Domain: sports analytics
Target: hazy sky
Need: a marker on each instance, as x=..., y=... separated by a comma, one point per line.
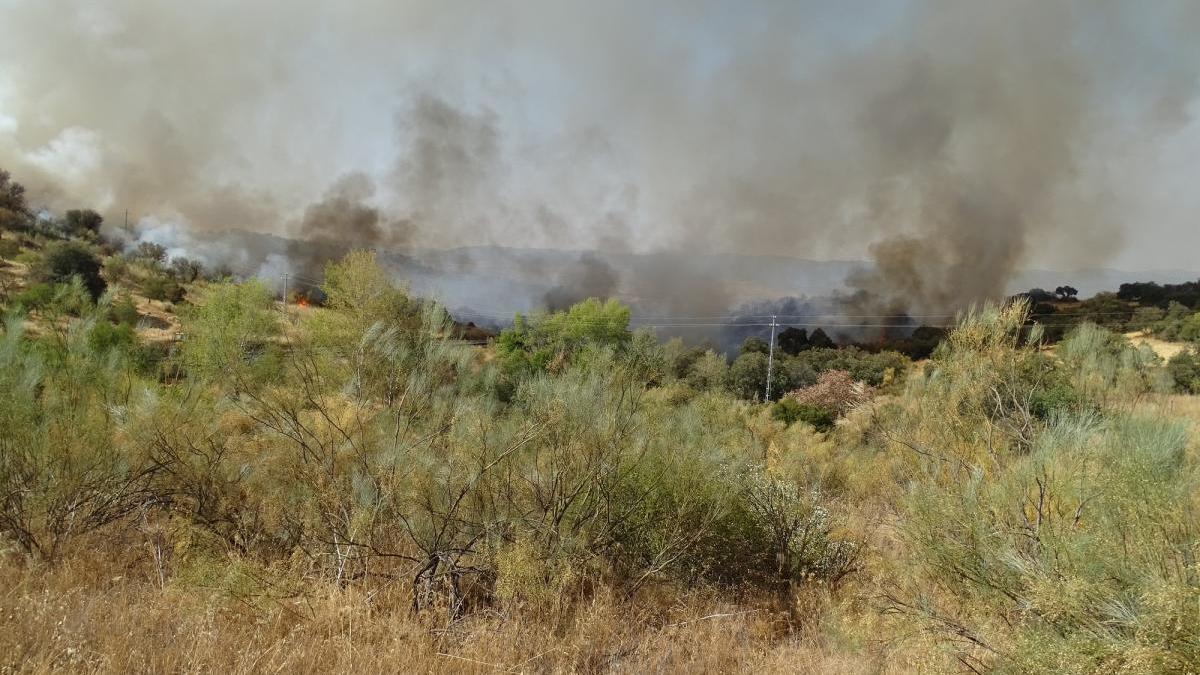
x=1035, y=133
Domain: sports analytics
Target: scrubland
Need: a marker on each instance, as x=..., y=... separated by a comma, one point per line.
x=350, y=488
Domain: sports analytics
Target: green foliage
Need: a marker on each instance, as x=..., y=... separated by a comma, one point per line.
x=543, y=341
x=1057, y=540
x=591, y=321
x=789, y=411
x=14, y=213
x=1189, y=331
x=105, y=337
x=116, y=268
x=709, y=372
x=185, y=270
x=874, y=368
x=1184, y=368
x=228, y=334
x=162, y=287
x=1106, y=310
x=361, y=294
x=747, y=376
x=124, y=311
x=1177, y=322
x=1083, y=542
x=149, y=253
x=52, y=300
x=35, y=297
x=80, y=222
x=359, y=287
x=1146, y=318
x=754, y=345
x=66, y=259
x=680, y=358
x=61, y=474
x=1105, y=368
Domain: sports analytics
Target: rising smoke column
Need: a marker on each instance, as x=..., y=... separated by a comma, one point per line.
x=977, y=142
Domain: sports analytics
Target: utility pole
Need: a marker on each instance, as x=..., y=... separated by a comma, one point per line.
x=771, y=358
x=285, y=280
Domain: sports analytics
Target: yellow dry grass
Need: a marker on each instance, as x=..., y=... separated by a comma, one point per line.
x=1162, y=348
x=96, y=615
x=158, y=321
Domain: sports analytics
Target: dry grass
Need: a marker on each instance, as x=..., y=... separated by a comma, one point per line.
x=91, y=614
x=158, y=322
x=1162, y=348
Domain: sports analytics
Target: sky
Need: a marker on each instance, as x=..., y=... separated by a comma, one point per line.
x=969, y=135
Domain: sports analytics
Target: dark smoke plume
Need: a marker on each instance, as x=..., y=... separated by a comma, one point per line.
x=343, y=220
x=590, y=277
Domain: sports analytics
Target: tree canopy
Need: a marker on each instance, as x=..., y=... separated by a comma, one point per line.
x=66, y=259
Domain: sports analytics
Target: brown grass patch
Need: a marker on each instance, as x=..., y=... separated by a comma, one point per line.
x=94, y=614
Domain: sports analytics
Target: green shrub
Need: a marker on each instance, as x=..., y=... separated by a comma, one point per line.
x=790, y=411
x=105, y=337
x=61, y=261
x=708, y=372
x=1052, y=540
x=1184, y=368
x=36, y=296
x=124, y=311
x=775, y=535
x=227, y=334
x=875, y=368
x=81, y=222
x=536, y=343
x=1054, y=397
x=62, y=474
x=747, y=376
x=116, y=268
x=161, y=287
x=1105, y=369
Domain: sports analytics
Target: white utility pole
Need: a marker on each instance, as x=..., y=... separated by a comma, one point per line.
x=770, y=358
x=285, y=280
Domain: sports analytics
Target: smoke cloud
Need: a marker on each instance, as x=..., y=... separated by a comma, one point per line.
x=950, y=143
x=590, y=277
